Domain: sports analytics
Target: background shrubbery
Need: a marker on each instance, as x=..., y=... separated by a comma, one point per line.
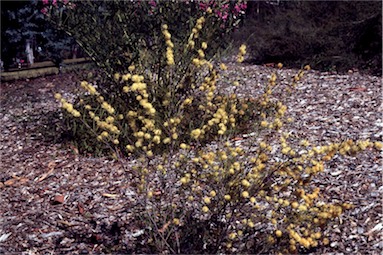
x=335, y=35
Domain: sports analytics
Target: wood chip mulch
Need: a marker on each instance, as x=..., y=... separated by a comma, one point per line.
x=54, y=200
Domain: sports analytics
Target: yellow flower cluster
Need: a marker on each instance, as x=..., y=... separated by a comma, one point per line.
x=195, y=32
x=110, y=129
x=306, y=240
x=241, y=53
x=196, y=133
x=170, y=45
x=89, y=87
x=138, y=86
x=106, y=106
x=223, y=66
x=67, y=106
x=187, y=101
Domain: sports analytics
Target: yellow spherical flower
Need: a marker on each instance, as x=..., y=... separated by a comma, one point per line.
x=378, y=145
x=278, y=233
x=131, y=68
x=245, y=194
x=170, y=44
x=264, y=123
x=176, y=221
x=201, y=53
x=109, y=119
x=196, y=133
x=273, y=77
x=207, y=200
x=242, y=49
x=184, y=180
x=188, y=101
x=245, y=183
x=223, y=66
x=58, y=96
x=201, y=20
x=205, y=209
x=126, y=77
x=196, y=61
x=76, y=113
x=156, y=139
x=167, y=35
x=232, y=235
x=138, y=144
x=191, y=44
x=227, y=197
x=204, y=45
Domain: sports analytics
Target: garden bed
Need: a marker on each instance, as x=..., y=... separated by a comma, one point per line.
x=57, y=201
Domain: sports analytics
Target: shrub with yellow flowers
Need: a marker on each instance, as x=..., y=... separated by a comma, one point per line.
x=197, y=191
x=161, y=107
x=226, y=198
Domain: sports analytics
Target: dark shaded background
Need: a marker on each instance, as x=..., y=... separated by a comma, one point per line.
x=328, y=35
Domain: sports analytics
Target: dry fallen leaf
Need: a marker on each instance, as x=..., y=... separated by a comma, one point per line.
x=377, y=228
x=357, y=89
x=58, y=199
x=163, y=229
x=51, y=167
x=10, y=182
x=16, y=181
x=109, y=195
x=80, y=208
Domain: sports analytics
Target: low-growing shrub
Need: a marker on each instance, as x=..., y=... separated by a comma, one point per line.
x=230, y=199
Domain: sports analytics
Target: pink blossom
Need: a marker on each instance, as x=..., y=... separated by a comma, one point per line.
x=54, y=2
x=153, y=3
x=243, y=6
x=44, y=10
x=45, y=2
x=237, y=8
x=203, y=6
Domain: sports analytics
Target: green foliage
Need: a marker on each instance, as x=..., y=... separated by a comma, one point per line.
x=117, y=34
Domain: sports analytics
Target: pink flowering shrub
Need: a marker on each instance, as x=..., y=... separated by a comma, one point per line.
x=223, y=10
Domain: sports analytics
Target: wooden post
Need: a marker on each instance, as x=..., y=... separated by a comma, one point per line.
x=29, y=51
